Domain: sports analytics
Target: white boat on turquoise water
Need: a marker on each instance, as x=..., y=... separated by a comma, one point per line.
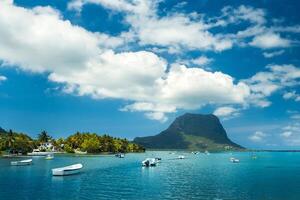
x=68, y=170
x=180, y=157
x=21, y=162
x=234, y=160
x=149, y=162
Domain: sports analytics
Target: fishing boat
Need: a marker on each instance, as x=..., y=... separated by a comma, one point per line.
x=49, y=157
x=149, y=162
x=22, y=162
x=68, y=170
x=234, y=160
x=181, y=157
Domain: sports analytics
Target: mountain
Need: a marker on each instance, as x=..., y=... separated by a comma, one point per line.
x=191, y=132
x=2, y=130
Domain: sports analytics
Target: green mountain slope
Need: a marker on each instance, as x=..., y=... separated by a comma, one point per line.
x=191, y=132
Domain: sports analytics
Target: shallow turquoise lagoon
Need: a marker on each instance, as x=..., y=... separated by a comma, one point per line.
x=270, y=176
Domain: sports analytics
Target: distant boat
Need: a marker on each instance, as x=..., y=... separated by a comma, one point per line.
x=120, y=155
x=181, y=157
x=49, y=157
x=149, y=162
x=22, y=162
x=68, y=170
x=234, y=160
x=196, y=152
x=80, y=152
x=37, y=152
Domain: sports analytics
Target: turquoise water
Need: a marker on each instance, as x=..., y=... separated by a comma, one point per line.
x=270, y=176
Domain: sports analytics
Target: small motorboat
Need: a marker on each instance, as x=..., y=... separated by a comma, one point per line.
x=120, y=155
x=68, y=170
x=22, y=162
x=181, y=157
x=149, y=162
x=234, y=160
x=49, y=157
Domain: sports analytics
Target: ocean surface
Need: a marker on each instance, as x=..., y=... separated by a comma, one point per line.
x=273, y=175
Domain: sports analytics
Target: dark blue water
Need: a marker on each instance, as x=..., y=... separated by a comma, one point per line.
x=270, y=176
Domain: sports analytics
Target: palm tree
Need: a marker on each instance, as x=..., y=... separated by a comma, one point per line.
x=43, y=137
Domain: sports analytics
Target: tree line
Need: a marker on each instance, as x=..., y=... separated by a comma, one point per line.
x=13, y=142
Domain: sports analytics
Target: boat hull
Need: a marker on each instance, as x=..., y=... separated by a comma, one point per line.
x=69, y=170
x=21, y=163
x=38, y=153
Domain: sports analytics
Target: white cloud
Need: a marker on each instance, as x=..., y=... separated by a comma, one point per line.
x=40, y=40
x=272, y=54
x=292, y=95
x=263, y=84
x=159, y=116
x=270, y=40
x=291, y=134
x=202, y=61
x=258, y=136
x=3, y=78
x=226, y=111
x=83, y=63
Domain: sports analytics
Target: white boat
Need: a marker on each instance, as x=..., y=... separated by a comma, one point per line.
x=49, y=157
x=181, y=157
x=80, y=152
x=68, y=170
x=120, y=155
x=234, y=160
x=149, y=162
x=22, y=162
x=37, y=152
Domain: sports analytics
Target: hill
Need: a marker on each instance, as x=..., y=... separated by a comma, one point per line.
x=191, y=132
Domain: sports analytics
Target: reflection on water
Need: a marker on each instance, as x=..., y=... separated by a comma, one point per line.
x=270, y=176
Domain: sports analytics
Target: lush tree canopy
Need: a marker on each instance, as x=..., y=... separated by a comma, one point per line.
x=89, y=142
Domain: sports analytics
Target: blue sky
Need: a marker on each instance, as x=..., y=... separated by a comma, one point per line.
x=129, y=67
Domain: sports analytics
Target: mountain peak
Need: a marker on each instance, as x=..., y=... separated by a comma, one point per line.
x=191, y=131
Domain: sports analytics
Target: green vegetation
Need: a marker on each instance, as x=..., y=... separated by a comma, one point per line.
x=93, y=143
x=16, y=142
x=13, y=142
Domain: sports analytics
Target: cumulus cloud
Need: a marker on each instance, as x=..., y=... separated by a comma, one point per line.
x=258, y=136
x=202, y=61
x=85, y=65
x=270, y=40
x=265, y=83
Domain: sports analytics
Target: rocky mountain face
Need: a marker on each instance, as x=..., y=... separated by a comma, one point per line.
x=191, y=132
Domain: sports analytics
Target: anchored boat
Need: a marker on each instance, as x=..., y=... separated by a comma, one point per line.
x=149, y=162
x=234, y=160
x=68, y=170
x=22, y=162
